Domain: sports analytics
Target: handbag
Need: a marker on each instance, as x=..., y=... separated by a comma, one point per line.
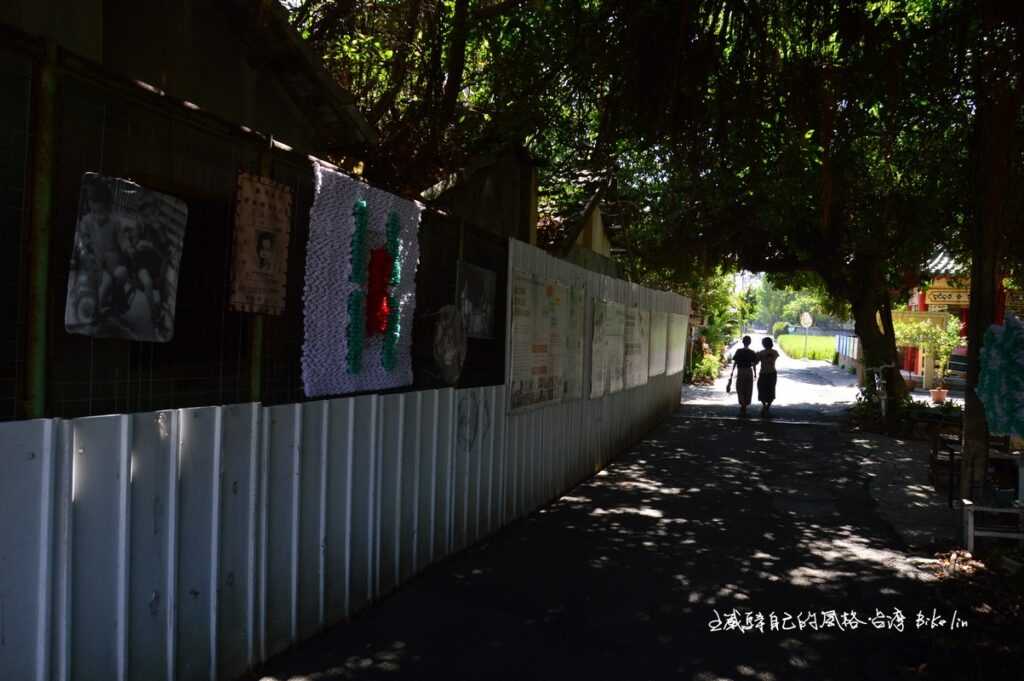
x=728, y=386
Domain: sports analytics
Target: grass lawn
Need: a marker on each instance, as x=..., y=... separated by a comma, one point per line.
x=818, y=347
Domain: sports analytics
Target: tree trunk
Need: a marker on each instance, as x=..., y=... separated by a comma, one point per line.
x=995, y=148
x=878, y=344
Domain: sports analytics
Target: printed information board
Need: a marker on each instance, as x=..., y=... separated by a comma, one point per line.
x=637, y=347
x=544, y=344
x=659, y=343
x=676, y=343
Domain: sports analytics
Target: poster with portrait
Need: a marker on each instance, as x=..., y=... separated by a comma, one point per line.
x=123, y=275
x=263, y=217
x=659, y=343
x=477, y=287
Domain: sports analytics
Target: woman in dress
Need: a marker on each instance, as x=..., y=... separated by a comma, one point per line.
x=766, y=382
x=743, y=365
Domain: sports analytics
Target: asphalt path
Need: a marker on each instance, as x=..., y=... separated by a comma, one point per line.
x=650, y=569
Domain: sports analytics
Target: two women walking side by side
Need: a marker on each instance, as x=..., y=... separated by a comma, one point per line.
x=745, y=363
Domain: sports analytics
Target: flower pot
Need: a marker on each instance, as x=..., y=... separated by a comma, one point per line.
x=938, y=395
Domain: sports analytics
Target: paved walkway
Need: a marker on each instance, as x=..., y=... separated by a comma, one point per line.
x=806, y=390
x=622, y=577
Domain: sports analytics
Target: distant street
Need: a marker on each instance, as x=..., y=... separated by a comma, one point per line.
x=807, y=390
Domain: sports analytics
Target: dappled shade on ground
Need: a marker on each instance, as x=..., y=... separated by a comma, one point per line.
x=620, y=578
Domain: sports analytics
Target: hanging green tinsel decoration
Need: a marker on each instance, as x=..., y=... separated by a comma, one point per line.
x=394, y=329
x=356, y=331
x=393, y=231
x=358, y=256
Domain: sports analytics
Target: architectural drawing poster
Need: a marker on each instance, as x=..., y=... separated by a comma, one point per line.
x=615, y=345
x=574, y=335
x=676, y=343
x=659, y=343
x=598, y=372
x=637, y=346
x=538, y=320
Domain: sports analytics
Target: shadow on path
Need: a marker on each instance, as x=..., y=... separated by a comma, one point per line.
x=620, y=578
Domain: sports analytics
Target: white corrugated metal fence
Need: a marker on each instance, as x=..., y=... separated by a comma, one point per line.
x=194, y=543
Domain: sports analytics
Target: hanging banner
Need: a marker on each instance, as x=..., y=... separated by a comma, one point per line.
x=263, y=217
x=637, y=347
x=659, y=343
x=676, y=343
x=360, y=288
x=123, y=278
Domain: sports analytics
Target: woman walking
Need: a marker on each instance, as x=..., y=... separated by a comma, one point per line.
x=766, y=382
x=744, y=359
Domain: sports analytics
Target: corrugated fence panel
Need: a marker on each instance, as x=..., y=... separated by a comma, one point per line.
x=410, y=447
x=311, y=477
x=27, y=467
x=364, y=437
x=338, y=508
x=100, y=476
x=554, y=446
x=280, y=505
x=392, y=437
x=192, y=544
x=198, y=531
x=236, y=576
x=154, y=461
x=427, y=482
x=443, y=484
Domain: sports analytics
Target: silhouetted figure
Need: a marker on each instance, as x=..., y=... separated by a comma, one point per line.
x=768, y=378
x=743, y=362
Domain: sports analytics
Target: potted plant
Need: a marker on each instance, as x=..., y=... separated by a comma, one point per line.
x=941, y=343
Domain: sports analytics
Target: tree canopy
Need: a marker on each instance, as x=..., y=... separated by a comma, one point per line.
x=836, y=144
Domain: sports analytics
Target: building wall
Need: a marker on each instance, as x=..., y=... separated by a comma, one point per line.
x=195, y=51
x=15, y=132
x=76, y=25
x=500, y=197
x=191, y=49
x=593, y=236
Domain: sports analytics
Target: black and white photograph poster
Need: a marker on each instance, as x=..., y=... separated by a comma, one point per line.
x=476, y=295
x=123, y=277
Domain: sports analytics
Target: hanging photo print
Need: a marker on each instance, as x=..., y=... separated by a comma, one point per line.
x=477, y=288
x=124, y=265
x=263, y=216
x=360, y=292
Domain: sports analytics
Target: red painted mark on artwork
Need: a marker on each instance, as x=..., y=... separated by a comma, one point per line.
x=381, y=264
